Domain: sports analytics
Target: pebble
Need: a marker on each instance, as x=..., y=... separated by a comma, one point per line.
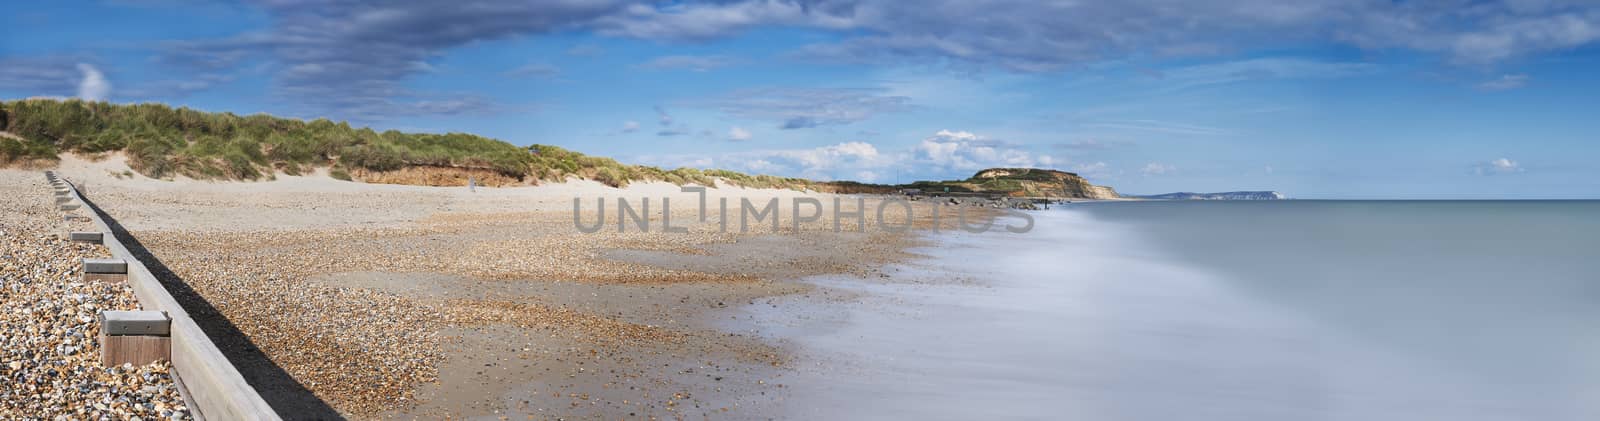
x=48, y=321
x=366, y=352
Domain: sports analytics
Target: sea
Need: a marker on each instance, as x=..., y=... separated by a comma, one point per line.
x=1217, y=310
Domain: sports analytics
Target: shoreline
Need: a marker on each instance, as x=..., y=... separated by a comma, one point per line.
x=853, y=337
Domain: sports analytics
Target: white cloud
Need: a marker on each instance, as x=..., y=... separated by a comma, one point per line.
x=630, y=126
x=738, y=134
x=942, y=147
x=1497, y=166
x=761, y=166
x=827, y=157
x=94, y=86
x=947, y=153
x=1156, y=168
x=1092, y=170
x=845, y=159
x=960, y=150
x=1505, y=82
x=708, y=21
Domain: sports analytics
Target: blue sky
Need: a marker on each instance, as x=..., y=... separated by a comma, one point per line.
x=1317, y=99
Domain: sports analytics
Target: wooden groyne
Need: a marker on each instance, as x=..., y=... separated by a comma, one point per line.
x=204, y=375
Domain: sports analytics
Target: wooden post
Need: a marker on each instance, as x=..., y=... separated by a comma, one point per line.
x=134, y=337
x=87, y=237
x=107, y=270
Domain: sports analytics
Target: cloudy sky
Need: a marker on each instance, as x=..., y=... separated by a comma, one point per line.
x=1316, y=98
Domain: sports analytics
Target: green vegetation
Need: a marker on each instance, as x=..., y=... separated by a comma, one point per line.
x=339, y=174
x=1019, y=182
x=161, y=141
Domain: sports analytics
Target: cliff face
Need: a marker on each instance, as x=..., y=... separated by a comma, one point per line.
x=1034, y=182
x=1102, y=192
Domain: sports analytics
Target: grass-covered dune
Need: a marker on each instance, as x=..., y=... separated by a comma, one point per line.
x=162, y=142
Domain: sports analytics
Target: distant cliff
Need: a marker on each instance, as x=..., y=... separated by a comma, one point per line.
x=1021, y=182
x=1232, y=195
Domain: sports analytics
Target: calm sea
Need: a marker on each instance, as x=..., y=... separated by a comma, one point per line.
x=1290, y=310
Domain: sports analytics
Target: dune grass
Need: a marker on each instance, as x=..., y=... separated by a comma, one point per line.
x=162, y=142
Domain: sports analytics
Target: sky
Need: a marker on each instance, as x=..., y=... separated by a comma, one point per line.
x=1315, y=99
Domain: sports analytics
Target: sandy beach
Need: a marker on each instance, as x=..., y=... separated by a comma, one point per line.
x=386, y=301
